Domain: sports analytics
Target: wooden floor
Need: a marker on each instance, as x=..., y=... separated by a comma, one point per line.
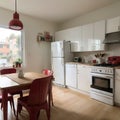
x=71, y=105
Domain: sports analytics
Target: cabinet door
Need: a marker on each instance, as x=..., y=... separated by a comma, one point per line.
x=99, y=35
x=73, y=35
x=113, y=25
x=87, y=37
x=76, y=39
x=84, y=77
x=71, y=75
x=117, y=86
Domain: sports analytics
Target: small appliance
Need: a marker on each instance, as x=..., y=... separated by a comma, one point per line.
x=77, y=59
x=114, y=60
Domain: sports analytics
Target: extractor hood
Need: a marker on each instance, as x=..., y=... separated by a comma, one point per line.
x=112, y=38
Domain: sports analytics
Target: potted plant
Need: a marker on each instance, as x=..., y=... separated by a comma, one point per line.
x=18, y=62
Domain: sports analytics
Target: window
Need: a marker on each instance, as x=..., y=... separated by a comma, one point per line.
x=10, y=46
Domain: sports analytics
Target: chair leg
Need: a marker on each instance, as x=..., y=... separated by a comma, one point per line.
x=48, y=112
x=33, y=115
x=1, y=106
x=52, y=99
x=51, y=95
x=19, y=108
x=38, y=114
x=18, y=111
x=21, y=94
x=12, y=105
x=17, y=115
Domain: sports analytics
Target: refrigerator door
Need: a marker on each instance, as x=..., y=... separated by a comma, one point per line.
x=58, y=70
x=57, y=49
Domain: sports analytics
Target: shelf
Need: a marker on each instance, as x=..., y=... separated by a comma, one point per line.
x=46, y=37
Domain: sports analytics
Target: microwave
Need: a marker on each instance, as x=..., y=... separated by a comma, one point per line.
x=77, y=59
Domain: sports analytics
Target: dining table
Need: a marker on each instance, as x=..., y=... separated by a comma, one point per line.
x=11, y=83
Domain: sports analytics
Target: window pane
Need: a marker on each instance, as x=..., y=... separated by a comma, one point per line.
x=10, y=46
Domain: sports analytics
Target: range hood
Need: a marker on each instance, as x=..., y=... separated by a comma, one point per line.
x=112, y=38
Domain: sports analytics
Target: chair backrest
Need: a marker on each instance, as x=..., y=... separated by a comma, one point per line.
x=39, y=90
x=47, y=72
x=7, y=71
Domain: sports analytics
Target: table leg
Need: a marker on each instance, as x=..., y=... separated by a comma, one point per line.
x=4, y=102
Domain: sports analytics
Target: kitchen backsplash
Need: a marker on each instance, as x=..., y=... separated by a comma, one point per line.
x=88, y=57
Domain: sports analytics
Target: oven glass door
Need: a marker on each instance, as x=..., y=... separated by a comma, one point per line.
x=101, y=83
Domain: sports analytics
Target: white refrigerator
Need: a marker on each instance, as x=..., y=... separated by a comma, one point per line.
x=60, y=54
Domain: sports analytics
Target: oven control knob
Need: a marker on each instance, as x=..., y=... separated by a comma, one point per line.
x=106, y=71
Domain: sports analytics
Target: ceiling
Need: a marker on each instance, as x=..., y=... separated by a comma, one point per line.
x=55, y=10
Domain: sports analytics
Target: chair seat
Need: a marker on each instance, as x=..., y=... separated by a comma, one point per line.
x=24, y=102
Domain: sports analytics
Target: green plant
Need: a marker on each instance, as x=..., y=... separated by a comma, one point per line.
x=18, y=62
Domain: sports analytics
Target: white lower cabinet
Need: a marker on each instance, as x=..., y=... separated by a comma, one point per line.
x=78, y=76
x=117, y=86
x=71, y=75
x=84, y=77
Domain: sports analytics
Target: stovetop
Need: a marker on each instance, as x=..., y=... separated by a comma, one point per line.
x=107, y=65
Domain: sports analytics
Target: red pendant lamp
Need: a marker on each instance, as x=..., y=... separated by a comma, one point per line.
x=15, y=23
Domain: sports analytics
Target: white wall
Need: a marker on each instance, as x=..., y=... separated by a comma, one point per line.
x=110, y=11
x=37, y=55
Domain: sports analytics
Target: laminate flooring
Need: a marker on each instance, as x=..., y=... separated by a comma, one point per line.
x=72, y=105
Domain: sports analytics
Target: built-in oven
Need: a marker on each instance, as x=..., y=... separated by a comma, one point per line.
x=102, y=84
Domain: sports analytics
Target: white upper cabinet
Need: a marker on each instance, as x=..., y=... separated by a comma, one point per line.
x=84, y=38
x=93, y=36
x=87, y=36
x=75, y=39
x=99, y=35
x=73, y=35
x=113, y=25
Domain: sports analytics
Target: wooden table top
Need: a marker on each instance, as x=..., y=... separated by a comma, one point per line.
x=10, y=80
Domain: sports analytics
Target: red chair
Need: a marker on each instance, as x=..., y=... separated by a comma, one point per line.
x=7, y=71
x=49, y=72
x=10, y=96
x=37, y=98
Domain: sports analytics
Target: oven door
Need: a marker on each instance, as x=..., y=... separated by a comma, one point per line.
x=102, y=82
